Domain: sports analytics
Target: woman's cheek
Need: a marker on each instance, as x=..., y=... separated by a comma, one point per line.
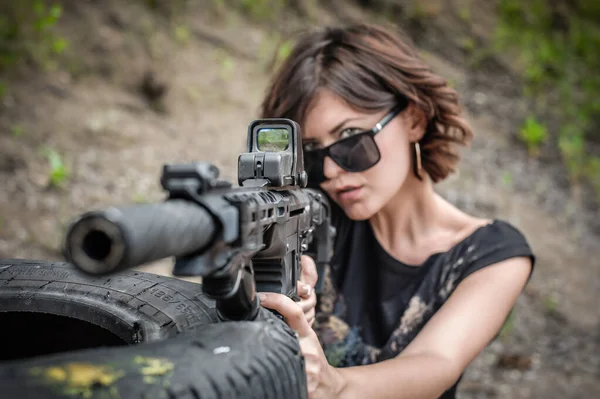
x=395, y=162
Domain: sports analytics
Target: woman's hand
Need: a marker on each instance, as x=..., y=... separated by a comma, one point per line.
x=323, y=380
x=305, y=287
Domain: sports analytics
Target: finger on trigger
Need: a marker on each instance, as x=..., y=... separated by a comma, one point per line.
x=309, y=273
x=304, y=290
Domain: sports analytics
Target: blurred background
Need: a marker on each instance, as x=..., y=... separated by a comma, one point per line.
x=95, y=95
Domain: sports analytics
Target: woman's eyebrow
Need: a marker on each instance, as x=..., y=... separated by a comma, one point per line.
x=341, y=125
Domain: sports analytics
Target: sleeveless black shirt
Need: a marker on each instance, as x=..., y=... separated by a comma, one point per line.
x=372, y=306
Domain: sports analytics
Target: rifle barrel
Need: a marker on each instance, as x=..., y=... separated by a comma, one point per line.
x=116, y=238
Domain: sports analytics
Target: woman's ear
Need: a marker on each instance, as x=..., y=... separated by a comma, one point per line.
x=416, y=121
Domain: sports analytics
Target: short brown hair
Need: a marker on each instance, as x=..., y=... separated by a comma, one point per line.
x=371, y=69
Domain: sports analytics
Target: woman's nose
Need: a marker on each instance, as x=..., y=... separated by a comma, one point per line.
x=331, y=169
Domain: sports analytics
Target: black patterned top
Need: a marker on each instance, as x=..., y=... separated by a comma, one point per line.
x=372, y=306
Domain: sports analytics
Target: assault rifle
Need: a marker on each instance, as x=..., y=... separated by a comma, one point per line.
x=238, y=239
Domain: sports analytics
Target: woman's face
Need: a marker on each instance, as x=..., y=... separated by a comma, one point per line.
x=360, y=194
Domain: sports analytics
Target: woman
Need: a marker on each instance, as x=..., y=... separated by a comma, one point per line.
x=416, y=287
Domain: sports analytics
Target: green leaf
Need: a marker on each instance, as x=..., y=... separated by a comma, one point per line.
x=58, y=171
x=59, y=45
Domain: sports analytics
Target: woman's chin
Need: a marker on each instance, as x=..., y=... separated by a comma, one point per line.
x=358, y=212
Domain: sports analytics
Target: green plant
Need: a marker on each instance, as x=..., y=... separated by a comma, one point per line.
x=551, y=304
x=261, y=9
x=284, y=50
x=557, y=46
x=17, y=130
x=27, y=33
x=182, y=34
x=593, y=171
x=571, y=145
x=227, y=68
x=464, y=13
x=507, y=179
x=58, y=172
x=468, y=44
x=274, y=49
x=533, y=134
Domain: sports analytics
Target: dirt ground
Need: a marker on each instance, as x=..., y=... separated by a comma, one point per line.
x=114, y=143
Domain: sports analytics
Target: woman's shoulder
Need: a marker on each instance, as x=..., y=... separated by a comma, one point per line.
x=489, y=244
x=497, y=233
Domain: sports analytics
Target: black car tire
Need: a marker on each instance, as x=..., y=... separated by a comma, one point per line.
x=134, y=335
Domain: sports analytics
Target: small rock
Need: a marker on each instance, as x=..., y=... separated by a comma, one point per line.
x=479, y=98
x=95, y=125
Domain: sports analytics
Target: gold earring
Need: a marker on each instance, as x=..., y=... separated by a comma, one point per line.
x=419, y=166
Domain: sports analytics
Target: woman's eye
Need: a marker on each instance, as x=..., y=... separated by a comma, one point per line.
x=350, y=131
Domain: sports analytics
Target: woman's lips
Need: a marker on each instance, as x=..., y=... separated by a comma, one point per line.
x=349, y=194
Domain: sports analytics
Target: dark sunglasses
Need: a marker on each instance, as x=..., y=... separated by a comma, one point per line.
x=355, y=153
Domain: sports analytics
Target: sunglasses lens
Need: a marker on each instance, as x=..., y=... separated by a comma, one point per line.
x=356, y=153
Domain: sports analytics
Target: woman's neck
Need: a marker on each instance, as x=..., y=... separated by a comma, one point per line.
x=416, y=221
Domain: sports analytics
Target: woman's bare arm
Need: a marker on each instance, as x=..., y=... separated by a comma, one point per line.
x=453, y=337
